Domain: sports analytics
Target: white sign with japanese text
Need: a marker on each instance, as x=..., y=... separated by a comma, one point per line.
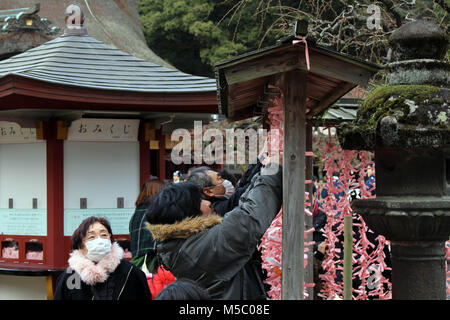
x=118, y=218
x=23, y=222
x=103, y=130
x=11, y=132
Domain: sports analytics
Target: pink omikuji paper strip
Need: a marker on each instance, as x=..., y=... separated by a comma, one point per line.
x=447, y=260
x=368, y=267
x=303, y=39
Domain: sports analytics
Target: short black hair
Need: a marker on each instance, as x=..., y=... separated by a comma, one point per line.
x=174, y=203
x=183, y=289
x=81, y=231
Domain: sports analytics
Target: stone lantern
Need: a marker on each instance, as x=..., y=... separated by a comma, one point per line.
x=407, y=124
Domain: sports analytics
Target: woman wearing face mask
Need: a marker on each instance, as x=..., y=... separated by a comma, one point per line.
x=96, y=268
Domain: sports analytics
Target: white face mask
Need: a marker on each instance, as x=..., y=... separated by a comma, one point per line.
x=229, y=190
x=98, y=249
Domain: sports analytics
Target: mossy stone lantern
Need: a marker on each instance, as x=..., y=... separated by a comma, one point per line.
x=407, y=124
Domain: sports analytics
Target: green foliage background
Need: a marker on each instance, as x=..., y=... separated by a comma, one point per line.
x=193, y=35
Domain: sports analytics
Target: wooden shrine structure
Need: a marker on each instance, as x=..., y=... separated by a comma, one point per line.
x=312, y=78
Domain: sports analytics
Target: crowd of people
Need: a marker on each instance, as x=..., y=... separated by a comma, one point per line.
x=195, y=238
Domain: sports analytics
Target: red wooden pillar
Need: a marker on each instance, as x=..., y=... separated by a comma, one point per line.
x=144, y=155
x=55, y=196
x=162, y=155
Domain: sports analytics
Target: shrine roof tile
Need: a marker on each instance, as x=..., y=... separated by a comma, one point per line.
x=82, y=61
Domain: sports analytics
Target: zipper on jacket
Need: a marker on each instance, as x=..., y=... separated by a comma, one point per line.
x=126, y=280
x=139, y=235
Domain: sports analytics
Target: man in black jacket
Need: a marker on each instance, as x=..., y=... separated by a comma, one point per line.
x=205, y=179
x=195, y=243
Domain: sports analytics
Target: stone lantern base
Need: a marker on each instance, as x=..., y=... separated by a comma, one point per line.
x=417, y=228
x=417, y=270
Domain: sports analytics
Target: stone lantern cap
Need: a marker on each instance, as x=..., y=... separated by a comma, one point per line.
x=419, y=39
x=413, y=109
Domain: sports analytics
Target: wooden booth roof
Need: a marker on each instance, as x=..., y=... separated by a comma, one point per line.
x=114, y=22
x=77, y=72
x=83, y=61
x=242, y=82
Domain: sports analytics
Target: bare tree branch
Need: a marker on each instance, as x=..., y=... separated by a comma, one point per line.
x=391, y=8
x=443, y=5
x=343, y=24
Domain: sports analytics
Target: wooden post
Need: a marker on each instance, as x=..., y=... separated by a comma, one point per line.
x=293, y=84
x=162, y=155
x=50, y=289
x=348, y=249
x=55, y=196
x=309, y=271
x=144, y=153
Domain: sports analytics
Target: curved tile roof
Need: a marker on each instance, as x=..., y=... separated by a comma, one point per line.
x=114, y=22
x=82, y=61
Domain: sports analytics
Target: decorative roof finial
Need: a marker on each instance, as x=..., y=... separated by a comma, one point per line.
x=74, y=21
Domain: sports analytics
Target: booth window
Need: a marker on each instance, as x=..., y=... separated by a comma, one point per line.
x=34, y=251
x=10, y=249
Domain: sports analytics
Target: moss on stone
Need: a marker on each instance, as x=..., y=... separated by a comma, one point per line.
x=393, y=100
x=437, y=101
x=421, y=112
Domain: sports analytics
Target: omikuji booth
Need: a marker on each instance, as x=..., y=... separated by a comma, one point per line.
x=82, y=126
x=100, y=174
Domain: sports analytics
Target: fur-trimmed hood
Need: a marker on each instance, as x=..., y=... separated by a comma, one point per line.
x=92, y=273
x=183, y=229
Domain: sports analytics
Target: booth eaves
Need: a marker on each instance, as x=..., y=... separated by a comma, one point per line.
x=243, y=81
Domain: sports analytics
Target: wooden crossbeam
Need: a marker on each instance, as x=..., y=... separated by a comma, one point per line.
x=284, y=61
x=262, y=67
x=331, y=98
